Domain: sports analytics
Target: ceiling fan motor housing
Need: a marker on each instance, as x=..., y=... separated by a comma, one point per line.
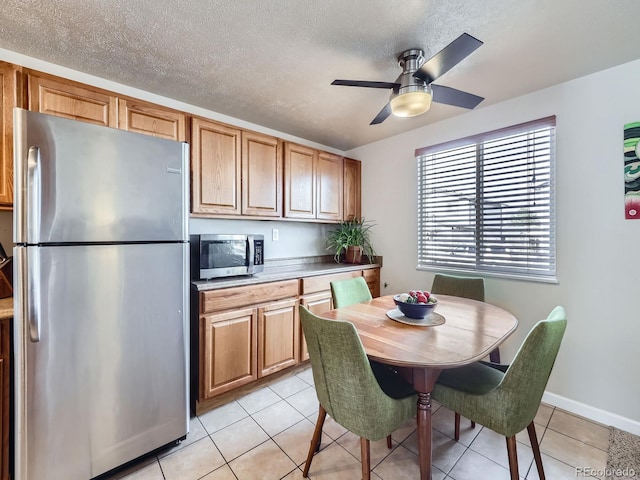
x=410, y=61
x=413, y=96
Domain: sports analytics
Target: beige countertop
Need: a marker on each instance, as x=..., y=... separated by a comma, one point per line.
x=6, y=308
x=285, y=270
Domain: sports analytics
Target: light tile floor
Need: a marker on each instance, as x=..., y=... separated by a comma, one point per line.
x=265, y=435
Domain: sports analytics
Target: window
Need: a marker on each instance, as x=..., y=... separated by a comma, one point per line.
x=486, y=203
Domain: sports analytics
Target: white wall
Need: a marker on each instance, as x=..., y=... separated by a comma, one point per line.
x=596, y=373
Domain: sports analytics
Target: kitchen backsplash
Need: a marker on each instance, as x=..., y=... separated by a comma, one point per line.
x=295, y=239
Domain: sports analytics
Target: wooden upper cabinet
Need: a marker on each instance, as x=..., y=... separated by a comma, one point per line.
x=330, y=187
x=68, y=99
x=216, y=168
x=261, y=175
x=150, y=119
x=299, y=181
x=10, y=97
x=352, y=183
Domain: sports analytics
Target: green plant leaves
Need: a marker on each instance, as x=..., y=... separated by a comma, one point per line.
x=351, y=233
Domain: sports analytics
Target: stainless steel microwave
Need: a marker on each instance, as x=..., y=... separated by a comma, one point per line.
x=216, y=255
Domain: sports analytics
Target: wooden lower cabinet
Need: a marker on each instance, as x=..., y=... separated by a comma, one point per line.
x=372, y=277
x=278, y=332
x=5, y=393
x=316, y=303
x=228, y=351
x=249, y=332
x=316, y=295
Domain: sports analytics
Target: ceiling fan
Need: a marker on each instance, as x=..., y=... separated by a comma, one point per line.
x=413, y=90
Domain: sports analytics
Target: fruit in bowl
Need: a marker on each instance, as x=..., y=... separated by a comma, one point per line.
x=415, y=304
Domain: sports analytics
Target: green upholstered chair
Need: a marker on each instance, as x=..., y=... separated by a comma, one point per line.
x=465, y=287
x=507, y=402
x=348, y=292
x=347, y=387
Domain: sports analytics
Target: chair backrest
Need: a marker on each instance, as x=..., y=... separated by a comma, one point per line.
x=526, y=378
x=466, y=287
x=345, y=384
x=348, y=292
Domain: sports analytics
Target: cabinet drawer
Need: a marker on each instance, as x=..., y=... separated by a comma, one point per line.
x=323, y=282
x=226, y=298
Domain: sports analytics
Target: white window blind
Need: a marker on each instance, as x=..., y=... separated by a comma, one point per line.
x=487, y=203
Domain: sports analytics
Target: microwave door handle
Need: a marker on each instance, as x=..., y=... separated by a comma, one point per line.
x=252, y=254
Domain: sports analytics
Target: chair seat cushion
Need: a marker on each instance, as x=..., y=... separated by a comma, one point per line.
x=391, y=382
x=476, y=378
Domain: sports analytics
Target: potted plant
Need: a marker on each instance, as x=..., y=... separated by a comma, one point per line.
x=351, y=238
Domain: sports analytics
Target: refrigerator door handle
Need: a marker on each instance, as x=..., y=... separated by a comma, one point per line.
x=29, y=290
x=33, y=200
x=33, y=307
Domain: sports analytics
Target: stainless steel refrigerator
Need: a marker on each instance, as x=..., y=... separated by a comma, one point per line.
x=101, y=296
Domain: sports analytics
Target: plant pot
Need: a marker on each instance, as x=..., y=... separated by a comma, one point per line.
x=353, y=254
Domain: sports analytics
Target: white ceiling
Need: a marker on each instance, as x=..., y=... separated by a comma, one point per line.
x=271, y=62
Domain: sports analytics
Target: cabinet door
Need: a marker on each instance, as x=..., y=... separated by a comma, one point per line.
x=68, y=99
x=352, y=182
x=227, y=351
x=372, y=277
x=261, y=175
x=299, y=181
x=317, y=303
x=329, y=187
x=9, y=93
x=142, y=117
x=278, y=336
x=5, y=395
x=215, y=164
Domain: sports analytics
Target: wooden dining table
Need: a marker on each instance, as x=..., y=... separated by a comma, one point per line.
x=471, y=330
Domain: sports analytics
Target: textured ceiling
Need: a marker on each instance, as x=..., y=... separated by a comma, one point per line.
x=271, y=62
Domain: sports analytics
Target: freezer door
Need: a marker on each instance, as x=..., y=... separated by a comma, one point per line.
x=101, y=371
x=77, y=182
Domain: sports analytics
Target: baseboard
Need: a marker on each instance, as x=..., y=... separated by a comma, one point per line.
x=592, y=413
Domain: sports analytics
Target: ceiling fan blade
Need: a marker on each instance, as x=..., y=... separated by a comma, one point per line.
x=382, y=116
x=447, y=58
x=457, y=98
x=364, y=83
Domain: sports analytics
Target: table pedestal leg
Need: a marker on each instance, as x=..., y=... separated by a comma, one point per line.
x=424, y=435
x=423, y=381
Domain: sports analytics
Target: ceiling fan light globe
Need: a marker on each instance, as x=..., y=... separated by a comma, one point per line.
x=411, y=104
